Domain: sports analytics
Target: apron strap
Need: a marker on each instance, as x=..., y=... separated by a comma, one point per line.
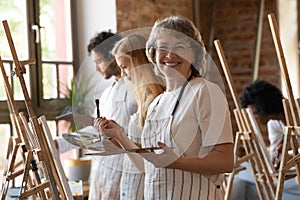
x=180, y=93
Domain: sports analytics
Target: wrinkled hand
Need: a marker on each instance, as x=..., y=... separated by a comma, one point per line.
x=107, y=127
x=161, y=160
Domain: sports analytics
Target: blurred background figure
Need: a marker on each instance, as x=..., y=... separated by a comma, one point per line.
x=265, y=101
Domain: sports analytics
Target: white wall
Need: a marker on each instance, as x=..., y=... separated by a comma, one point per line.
x=93, y=16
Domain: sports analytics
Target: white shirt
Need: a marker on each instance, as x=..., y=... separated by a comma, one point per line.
x=201, y=121
x=275, y=134
x=114, y=104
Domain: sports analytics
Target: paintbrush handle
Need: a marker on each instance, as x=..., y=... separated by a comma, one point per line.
x=97, y=106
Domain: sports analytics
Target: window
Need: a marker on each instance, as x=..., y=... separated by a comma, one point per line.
x=42, y=30
x=46, y=37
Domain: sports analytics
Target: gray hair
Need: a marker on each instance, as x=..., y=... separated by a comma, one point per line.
x=182, y=28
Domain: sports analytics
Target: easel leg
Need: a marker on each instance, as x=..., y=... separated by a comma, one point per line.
x=37, y=178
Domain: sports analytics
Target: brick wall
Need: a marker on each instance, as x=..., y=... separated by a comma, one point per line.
x=234, y=22
x=235, y=25
x=143, y=13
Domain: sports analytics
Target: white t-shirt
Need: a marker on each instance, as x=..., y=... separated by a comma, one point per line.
x=275, y=134
x=202, y=112
x=201, y=121
x=106, y=171
x=110, y=101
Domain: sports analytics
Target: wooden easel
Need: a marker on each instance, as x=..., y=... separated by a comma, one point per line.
x=18, y=144
x=53, y=182
x=56, y=165
x=29, y=162
x=292, y=114
x=246, y=137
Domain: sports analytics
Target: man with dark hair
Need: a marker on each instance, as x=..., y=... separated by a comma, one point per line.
x=114, y=104
x=99, y=49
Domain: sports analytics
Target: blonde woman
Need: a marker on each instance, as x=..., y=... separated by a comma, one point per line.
x=131, y=57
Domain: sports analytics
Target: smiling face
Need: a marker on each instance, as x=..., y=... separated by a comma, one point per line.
x=173, y=56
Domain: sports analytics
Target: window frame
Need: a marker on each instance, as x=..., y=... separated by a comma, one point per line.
x=41, y=106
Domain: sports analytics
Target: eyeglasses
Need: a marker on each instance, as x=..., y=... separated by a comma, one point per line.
x=178, y=49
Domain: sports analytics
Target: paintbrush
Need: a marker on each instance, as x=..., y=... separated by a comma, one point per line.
x=97, y=106
x=98, y=113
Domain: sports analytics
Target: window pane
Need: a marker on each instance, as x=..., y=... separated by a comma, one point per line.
x=56, y=48
x=3, y=95
x=49, y=81
x=18, y=92
x=4, y=136
x=56, y=30
x=15, y=85
x=65, y=76
x=14, y=13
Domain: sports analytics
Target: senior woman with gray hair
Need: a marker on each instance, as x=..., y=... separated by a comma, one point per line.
x=189, y=121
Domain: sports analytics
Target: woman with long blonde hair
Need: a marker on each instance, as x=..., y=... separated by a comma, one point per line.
x=144, y=85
